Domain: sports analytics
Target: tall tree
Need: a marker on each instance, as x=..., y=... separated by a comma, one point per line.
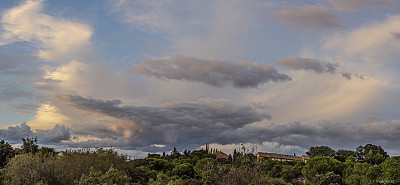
x=29, y=145
x=342, y=155
x=321, y=151
x=6, y=153
x=362, y=151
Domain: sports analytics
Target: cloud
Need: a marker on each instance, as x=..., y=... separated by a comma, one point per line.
x=47, y=115
x=148, y=15
x=374, y=43
x=13, y=134
x=308, y=17
x=56, y=38
x=12, y=62
x=347, y=76
x=298, y=137
x=286, y=138
x=312, y=97
x=210, y=71
x=10, y=92
x=174, y=123
x=315, y=65
x=55, y=135
x=24, y=108
x=358, y=5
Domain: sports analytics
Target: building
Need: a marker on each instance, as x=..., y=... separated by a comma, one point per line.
x=220, y=154
x=305, y=158
x=279, y=157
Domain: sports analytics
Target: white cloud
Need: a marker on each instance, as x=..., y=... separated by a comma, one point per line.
x=375, y=43
x=310, y=97
x=57, y=38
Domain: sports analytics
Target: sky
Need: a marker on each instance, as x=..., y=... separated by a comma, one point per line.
x=148, y=75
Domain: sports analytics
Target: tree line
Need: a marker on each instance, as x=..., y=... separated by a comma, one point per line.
x=31, y=164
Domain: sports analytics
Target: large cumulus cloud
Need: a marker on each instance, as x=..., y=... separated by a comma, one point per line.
x=210, y=71
x=13, y=134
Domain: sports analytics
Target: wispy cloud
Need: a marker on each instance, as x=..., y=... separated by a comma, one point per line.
x=358, y=5
x=308, y=17
x=57, y=37
x=318, y=66
x=210, y=71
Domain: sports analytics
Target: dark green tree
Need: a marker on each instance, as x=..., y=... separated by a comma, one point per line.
x=362, y=151
x=328, y=178
x=29, y=145
x=391, y=169
x=321, y=151
x=6, y=153
x=342, y=155
x=112, y=176
x=183, y=170
x=321, y=165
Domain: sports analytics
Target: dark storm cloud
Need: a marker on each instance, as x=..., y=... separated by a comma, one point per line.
x=191, y=122
x=190, y=125
x=55, y=135
x=307, y=17
x=13, y=134
x=294, y=63
x=210, y=71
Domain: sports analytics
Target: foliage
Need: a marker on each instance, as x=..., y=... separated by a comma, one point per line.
x=328, y=178
x=35, y=165
x=363, y=154
x=391, y=169
x=184, y=170
x=29, y=145
x=342, y=155
x=6, y=153
x=321, y=151
x=112, y=176
x=321, y=165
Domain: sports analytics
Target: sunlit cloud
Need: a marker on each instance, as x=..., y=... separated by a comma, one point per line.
x=57, y=38
x=47, y=116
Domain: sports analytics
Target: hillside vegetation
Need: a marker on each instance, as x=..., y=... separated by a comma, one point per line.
x=32, y=164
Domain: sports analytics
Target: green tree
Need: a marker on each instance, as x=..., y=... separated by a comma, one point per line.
x=112, y=176
x=354, y=172
x=159, y=164
x=374, y=173
x=321, y=165
x=6, y=153
x=29, y=145
x=342, y=155
x=27, y=169
x=328, y=178
x=362, y=151
x=391, y=169
x=321, y=151
x=183, y=170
